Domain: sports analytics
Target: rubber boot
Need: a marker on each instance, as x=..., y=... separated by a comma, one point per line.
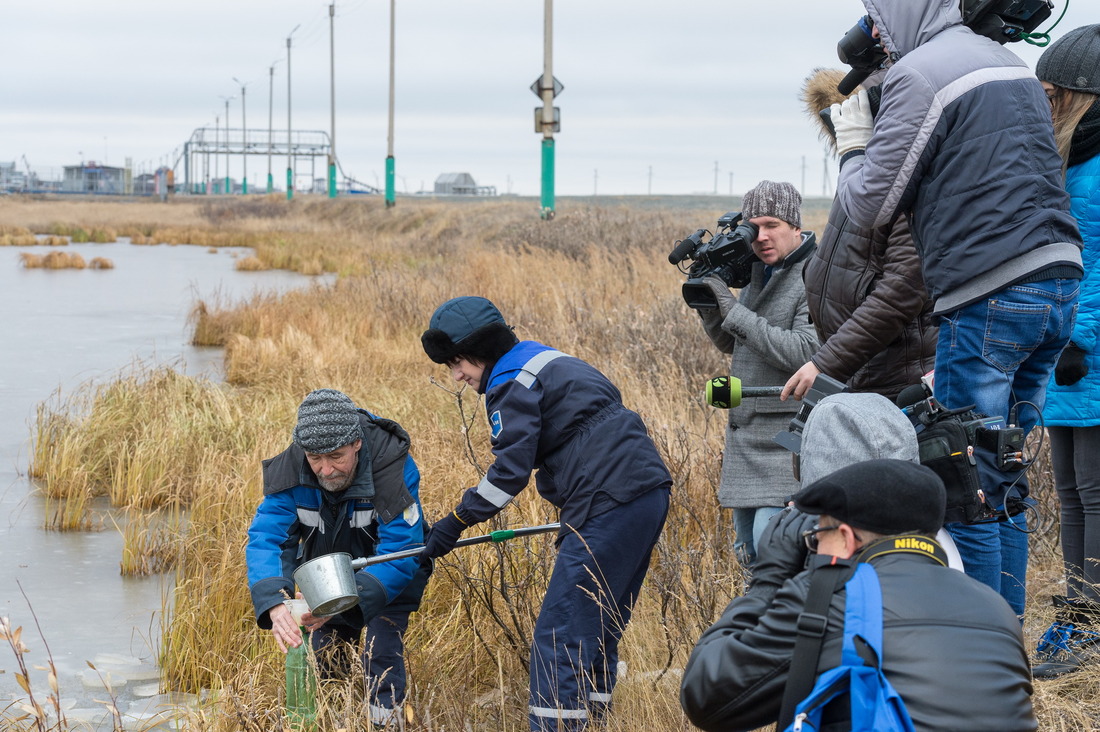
x=1071, y=642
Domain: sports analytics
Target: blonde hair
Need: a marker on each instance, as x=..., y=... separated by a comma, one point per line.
x=1068, y=108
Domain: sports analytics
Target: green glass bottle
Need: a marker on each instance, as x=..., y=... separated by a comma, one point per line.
x=301, y=686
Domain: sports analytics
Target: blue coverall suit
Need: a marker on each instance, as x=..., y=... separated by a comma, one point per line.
x=596, y=462
x=378, y=513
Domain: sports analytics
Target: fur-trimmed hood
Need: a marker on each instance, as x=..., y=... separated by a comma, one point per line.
x=819, y=92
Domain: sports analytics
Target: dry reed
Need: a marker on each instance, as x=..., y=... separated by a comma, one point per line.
x=595, y=283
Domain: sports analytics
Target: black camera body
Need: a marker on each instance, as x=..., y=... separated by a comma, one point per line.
x=1003, y=21
x=727, y=255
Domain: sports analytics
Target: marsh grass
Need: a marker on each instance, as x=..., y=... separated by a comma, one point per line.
x=181, y=456
x=53, y=260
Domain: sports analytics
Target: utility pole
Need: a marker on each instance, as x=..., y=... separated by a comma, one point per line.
x=289, y=133
x=716, y=177
x=731, y=182
x=595, y=182
x=649, y=187
x=802, y=190
x=270, y=121
x=227, y=190
x=244, y=141
x=217, y=135
x=391, y=199
x=332, y=99
x=547, y=93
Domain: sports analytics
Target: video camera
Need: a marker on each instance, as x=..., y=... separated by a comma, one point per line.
x=1003, y=21
x=727, y=255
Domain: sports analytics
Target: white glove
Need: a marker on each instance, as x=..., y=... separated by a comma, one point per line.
x=853, y=123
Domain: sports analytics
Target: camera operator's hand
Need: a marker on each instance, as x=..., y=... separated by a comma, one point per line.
x=1072, y=365
x=800, y=383
x=853, y=123
x=782, y=552
x=722, y=294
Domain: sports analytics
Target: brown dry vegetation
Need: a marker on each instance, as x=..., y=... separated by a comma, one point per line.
x=181, y=456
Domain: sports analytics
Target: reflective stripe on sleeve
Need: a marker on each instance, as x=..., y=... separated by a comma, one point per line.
x=492, y=494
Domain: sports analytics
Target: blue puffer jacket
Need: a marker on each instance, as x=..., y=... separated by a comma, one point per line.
x=555, y=413
x=378, y=513
x=1079, y=405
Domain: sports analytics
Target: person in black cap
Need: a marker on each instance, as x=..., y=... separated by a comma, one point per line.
x=346, y=484
x=953, y=648
x=596, y=463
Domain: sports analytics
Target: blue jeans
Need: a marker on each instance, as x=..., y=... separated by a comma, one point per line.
x=997, y=354
x=748, y=527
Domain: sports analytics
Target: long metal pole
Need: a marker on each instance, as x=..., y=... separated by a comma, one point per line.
x=289, y=136
x=217, y=136
x=270, y=121
x=244, y=141
x=391, y=169
x=227, y=188
x=332, y=100
x=548, y=112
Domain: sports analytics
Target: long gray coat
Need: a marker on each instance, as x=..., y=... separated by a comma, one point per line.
x=770, y=337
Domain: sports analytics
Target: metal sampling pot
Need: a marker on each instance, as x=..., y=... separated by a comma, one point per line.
x=328, y=584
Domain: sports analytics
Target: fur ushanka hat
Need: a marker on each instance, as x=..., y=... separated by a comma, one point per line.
x=470, y=327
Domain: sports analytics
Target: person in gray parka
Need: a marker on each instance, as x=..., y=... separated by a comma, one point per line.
x=963, y=144
x=768, y=333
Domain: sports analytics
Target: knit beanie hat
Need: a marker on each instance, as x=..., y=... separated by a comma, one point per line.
x=848, y=428
x=467, y=326
x=780, y=200
x=1073, y=61
x=327, y=420
x=887, y=497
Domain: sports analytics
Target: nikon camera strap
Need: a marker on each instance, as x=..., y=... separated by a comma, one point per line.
x=812, y=624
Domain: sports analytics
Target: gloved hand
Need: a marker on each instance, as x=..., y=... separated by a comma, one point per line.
x=782, y=552
x=722, y=294
x=442, y=536
x=853, y=123
x=1071, y=366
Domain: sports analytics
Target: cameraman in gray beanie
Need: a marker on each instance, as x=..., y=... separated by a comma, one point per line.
x=345, y=484
x=767, y=332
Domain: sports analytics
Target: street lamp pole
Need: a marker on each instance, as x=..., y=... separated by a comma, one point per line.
x=547, y=92
x=289, y=133
x=270, y=121
x=391, y=200
x=227, y=189
x=244, y=141
x=332, y=99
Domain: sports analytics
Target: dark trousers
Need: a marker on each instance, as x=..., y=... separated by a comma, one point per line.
x=1075, y=457
x=382, y=654
x=595, y=582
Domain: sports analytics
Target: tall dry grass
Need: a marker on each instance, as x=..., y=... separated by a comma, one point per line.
x=181, y=456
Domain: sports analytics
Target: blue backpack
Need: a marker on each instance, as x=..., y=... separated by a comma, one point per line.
x=875, y=705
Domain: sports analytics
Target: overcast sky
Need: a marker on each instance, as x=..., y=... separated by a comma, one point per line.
x=657, y=94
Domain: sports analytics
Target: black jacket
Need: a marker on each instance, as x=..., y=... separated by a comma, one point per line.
x=952, y=647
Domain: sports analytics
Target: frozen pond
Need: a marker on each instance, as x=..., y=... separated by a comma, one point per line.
x=62, y=328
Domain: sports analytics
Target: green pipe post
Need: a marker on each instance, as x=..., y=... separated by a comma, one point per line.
x=548, y=178
x=270, y=183
x=332, y=180
x=244, y=186
x=227, y=189
x=289, y=184
x=390, y=202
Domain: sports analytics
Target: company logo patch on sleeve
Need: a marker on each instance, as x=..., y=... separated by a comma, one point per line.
x=496, y=424
x=411, y=514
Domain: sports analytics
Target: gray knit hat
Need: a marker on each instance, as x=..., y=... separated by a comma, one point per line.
x=843, y=429
x=327, y=420
x=1073, y=61
x=780, y=200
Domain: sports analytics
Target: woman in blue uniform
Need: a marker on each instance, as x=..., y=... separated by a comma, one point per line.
x=596, y=463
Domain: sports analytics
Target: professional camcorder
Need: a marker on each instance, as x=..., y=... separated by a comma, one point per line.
x=726, y=255
x=1003, y=21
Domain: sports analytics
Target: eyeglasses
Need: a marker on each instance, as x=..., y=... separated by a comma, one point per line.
x=1052, y=97
x=810, y=536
